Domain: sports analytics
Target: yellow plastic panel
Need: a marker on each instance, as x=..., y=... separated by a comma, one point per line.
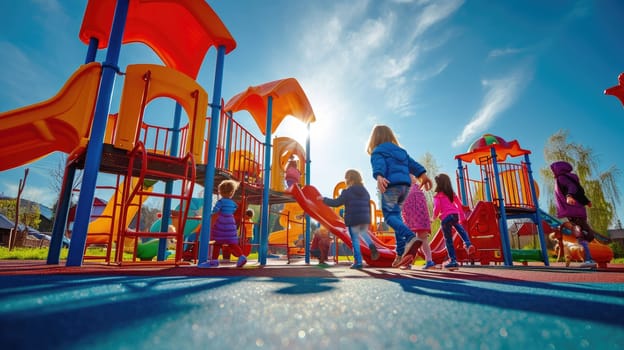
x=150, y=81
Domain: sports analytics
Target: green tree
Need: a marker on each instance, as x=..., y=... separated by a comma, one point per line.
x=600, y=187
x=29, y=212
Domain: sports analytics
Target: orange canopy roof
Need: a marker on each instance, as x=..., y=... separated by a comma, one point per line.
x=483, y=154
x=180, y=31
x=288, y=99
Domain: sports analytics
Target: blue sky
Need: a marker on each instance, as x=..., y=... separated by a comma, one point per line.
x=440, y=73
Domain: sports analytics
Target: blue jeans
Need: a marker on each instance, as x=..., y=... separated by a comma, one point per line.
x=391, y=201
x=356, y=232
x=447, y=228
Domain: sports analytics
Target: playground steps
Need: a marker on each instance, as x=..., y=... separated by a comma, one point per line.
x=156, y=167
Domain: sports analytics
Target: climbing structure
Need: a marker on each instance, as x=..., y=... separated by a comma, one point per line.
x=509, y=186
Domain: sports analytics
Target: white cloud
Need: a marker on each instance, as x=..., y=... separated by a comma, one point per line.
x=500, y=95
x=504, y=52
x=433, y=13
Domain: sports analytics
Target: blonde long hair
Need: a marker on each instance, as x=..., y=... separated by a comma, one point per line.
x=381, y=134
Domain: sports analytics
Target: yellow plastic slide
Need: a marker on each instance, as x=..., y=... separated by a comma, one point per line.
x=100, y=229
x=61, y=123
x=294, y=211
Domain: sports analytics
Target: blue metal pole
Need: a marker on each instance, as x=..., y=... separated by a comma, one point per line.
x=166, y=208
x=95, y=145
x=307, y=182
x=204, y=237
x=92, y=50
x=504, y=234
x=60, y=219
x=538, y=216
x=462, y=185
x=62, y=207
x=264, y=218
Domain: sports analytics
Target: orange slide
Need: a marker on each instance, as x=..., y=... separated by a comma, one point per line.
x=308, y=199
x=100, y=229
x=289, y=236
x=61, y=123
x=601, y=253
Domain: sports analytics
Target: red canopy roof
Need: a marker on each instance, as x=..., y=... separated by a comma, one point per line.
x=288, y=99
x=180, y=31
x=617, y=90
x=480, y=150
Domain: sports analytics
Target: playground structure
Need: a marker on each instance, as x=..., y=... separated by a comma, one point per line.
x=503, y=194
x=205, y=151
x=210, y=148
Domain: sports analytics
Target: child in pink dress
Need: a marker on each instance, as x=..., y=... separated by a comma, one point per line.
x=416, y=216
x=291, y=173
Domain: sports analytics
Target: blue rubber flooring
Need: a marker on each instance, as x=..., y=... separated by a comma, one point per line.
x=181, y=312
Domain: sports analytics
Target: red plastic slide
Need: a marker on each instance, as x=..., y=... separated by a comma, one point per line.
x=310, y=201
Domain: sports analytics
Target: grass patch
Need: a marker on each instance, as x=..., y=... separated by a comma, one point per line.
x=21, y=253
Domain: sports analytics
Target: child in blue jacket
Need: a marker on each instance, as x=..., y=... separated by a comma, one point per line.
x=392, y=166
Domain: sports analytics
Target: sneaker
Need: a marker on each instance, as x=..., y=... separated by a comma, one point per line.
x=470, y=250
x=406, y=260
x=374, y=252
x=429, y=265
x=356, y=266
x=588, y=263
x=453, y=265
x=396, y=261
x=408, y=245
x=406, y=267
x=568, y=260
x=242, y=260
x=208, y=264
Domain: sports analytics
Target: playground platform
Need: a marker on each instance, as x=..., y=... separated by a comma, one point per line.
x=301, y=306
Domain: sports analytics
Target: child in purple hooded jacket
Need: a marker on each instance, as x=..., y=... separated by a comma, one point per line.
x=570, y=201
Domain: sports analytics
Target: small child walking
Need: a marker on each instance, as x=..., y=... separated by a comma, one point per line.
x=292, y=174
x=224, y=230
x=416, y=216
x=392, y=166
x=448, y=207
x=319, y=247
x=357, y=214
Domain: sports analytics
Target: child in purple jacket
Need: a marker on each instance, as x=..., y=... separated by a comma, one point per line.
x=570, y=201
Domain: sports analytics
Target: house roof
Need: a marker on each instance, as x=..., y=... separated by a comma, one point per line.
x=5, y=223
x=616, y=234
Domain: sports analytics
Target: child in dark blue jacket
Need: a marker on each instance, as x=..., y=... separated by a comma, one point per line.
x=392, y=167
x=357, y=216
